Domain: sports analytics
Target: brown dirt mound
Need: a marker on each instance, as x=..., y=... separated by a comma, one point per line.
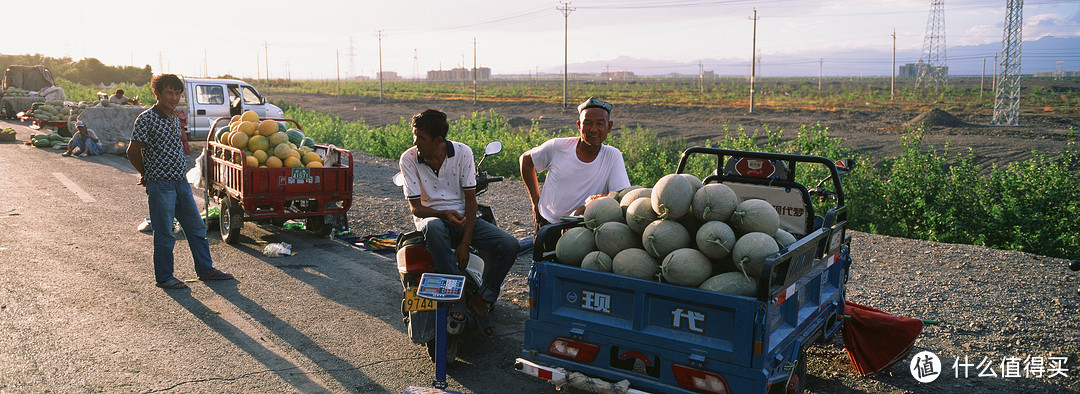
x=937, y=117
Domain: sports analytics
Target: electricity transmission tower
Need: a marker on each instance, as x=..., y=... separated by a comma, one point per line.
x=352, y=60
x=416, y=64
x=933, y=68
x=1007, y=88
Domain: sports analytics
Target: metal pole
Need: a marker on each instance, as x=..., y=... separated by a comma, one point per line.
x=474, y=70
x=566, y=42
x=753, y=61
x=379, y=32
x=892, y=72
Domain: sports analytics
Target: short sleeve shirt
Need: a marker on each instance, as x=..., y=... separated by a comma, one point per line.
x=444, y=189
x=570, y=181
x=164, y=158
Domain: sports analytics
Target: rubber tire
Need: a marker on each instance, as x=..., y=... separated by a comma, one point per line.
x=451, y=349
x=317, y=225
x=231, y=220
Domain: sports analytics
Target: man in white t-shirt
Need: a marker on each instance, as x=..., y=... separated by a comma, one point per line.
x=577, y=167
x=440, y=184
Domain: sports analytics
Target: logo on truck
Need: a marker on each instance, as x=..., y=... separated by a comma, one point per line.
x=594, y=301
x=695, y=321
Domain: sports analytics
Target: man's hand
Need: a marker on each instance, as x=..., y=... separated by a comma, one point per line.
x=454, y=217
x=462, y=256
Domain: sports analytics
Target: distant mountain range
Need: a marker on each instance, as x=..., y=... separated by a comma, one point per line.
x=1036, y=56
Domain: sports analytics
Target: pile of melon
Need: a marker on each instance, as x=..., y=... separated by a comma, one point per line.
x=266, y=143
x=679, y=232
x=50, y=111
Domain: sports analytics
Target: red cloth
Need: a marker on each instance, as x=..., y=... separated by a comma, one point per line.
x=876, y=340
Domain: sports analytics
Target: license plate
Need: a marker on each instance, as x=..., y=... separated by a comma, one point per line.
x=415, y=303
x=301, y=173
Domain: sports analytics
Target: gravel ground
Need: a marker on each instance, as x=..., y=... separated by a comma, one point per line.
x=999, y=308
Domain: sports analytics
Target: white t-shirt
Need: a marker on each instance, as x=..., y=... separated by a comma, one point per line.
x=444, y=190
x=570, y=181
x=114, y=99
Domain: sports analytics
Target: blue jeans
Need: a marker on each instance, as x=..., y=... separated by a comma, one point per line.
x=441, y=238
x=168, y=199
x=86, y=145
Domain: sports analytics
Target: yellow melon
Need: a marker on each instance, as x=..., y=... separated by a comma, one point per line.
x=304, y=150
x=251, y=161
x=258, y=142
x=282, y=151
x=250, y=116
x=273, y=162
x=267, y=127
x=247, y=128
x=293, y=162
x=314, y=164
x=234, y=119
x=277, y=138
x=294, y=153
x=310, y=157
x=238, y=140
x=260, y=155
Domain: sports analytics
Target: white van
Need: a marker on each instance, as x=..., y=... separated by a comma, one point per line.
x=208, y=99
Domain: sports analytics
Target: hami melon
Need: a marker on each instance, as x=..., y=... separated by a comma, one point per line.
x=685, y=267
x=635, y=263
x=664, y=236
x=671, y=196
x=573, y=245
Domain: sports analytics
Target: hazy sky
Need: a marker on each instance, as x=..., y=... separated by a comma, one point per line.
x=312, y=39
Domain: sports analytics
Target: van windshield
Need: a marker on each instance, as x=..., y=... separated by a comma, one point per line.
x=251, y=96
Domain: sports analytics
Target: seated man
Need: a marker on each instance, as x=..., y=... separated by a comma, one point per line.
x=440, y=184
x=578, y=168
x=84, y=142
x=119, y=98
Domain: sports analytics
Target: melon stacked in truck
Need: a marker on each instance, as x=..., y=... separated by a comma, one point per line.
x=680, y=232
x=267, y=143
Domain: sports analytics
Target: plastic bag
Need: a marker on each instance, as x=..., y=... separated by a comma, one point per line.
x=277, y=250
x=195, y=175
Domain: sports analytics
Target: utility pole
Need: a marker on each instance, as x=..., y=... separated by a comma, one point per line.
x=258, y=70
x=378, y=33
x=993, y=82
x=474, y=70
x=892, y=73
x=753, y=61
x=266, y=51
x=820, y=67
x=566, y=10
x=701, y=78
x=337, y=63
x=982, y=78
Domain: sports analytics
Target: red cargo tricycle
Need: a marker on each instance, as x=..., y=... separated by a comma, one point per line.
x=319, y=196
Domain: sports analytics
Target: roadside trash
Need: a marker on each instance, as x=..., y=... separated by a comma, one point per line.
x=277, y=250
x=210, y=216
x=145, y=227
x=291, y=225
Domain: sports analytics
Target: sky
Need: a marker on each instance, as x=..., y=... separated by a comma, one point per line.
x=327, y=39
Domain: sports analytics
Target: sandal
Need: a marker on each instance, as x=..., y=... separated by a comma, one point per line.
x=483, y=318
x=459, y=309
x=172, y=284
x=216, y=275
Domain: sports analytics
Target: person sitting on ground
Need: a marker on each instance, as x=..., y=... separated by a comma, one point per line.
x=119, y=98
x=84, y=142
x=440, y=184
x=578, y=168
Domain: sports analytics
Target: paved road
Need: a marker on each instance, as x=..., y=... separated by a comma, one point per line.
x=79, y=310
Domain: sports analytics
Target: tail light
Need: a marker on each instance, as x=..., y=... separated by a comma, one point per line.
x=414, y=259
x=699, y=380
x=574, y=350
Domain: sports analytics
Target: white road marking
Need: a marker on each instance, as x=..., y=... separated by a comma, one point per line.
x=79, y=192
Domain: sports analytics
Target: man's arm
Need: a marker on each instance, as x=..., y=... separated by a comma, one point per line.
x=462, y=250
x=532, y=183
x=135, y=157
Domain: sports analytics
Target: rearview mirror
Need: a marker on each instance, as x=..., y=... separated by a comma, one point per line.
x=493, y=147
x=399, y=179
x=845, y=165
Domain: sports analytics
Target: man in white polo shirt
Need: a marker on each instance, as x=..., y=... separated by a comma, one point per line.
x=440, y=184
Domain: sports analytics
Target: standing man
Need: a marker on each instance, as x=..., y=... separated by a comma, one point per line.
x=578, y=167
x=440, y=184
x=157, y=152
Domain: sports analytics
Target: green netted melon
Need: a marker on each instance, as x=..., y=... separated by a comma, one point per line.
x=282, y=127
x=634, y=195
x=619, y=195
x=695, y=182
x=751, y=250
x=573, y=245
x=715, y=201
x=755, y=215
x=731, y=283
x=639, y=214
x=635, y=263
x=664, y=236
x=602, y=210
x=715, y=239
x=614, y=237
x=221, y=131
x=308, y=142
x=685, y=267
x=597, y=261
x=671, y=196
x=784, y=238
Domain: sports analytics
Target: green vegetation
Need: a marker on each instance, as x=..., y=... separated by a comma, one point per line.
x=89, y=71
x=925, y=193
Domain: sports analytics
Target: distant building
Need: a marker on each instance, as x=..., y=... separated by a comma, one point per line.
x=612, y=75
x=912, y=70
x=458, y=74
x=387, y=75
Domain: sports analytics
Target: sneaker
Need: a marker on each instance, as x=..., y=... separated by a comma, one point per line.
x=66, y=154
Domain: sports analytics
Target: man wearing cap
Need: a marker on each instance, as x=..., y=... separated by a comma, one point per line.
x=577, y=167
x=85, y=140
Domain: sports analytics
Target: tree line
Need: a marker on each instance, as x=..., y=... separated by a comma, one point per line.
x=87, y=71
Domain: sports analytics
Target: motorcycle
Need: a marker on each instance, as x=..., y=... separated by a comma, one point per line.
x=413, y=260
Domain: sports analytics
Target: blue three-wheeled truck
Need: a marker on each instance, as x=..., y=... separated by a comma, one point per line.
x=589, y=328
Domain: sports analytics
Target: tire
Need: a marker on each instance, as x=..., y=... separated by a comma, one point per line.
x=231, y=220
x=451, y=349
x=317, y=225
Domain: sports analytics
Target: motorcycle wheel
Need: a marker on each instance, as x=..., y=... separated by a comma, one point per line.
x=451, y=349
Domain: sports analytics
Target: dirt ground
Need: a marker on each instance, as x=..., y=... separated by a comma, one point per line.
x=875, y=133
